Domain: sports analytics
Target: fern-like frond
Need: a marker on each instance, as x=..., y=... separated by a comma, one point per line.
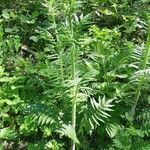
x=144, y=145
x=69, y=131
x=99, y=110
x=144, y=119
x=141, y=75
x=42, y=115
x=137, y=56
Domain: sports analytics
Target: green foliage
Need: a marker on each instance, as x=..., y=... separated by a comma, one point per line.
x=70, y=132
x=74, y=70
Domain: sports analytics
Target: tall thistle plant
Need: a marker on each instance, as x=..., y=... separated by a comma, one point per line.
x=142, y=72
x=74, y=88
x=53, y=12
x=74, y=92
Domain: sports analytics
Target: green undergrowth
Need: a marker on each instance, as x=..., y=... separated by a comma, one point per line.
x=74, y=74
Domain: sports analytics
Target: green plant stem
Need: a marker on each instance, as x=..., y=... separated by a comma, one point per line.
x=143, y=66
x=146, y=53
x=61, y=66
x=131, y=3
x=74, y=109
x=74, y=91
x=59, y=51
x=73, y=62
x=74, y=97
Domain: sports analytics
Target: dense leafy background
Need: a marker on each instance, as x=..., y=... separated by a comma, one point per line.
x=110, y=39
